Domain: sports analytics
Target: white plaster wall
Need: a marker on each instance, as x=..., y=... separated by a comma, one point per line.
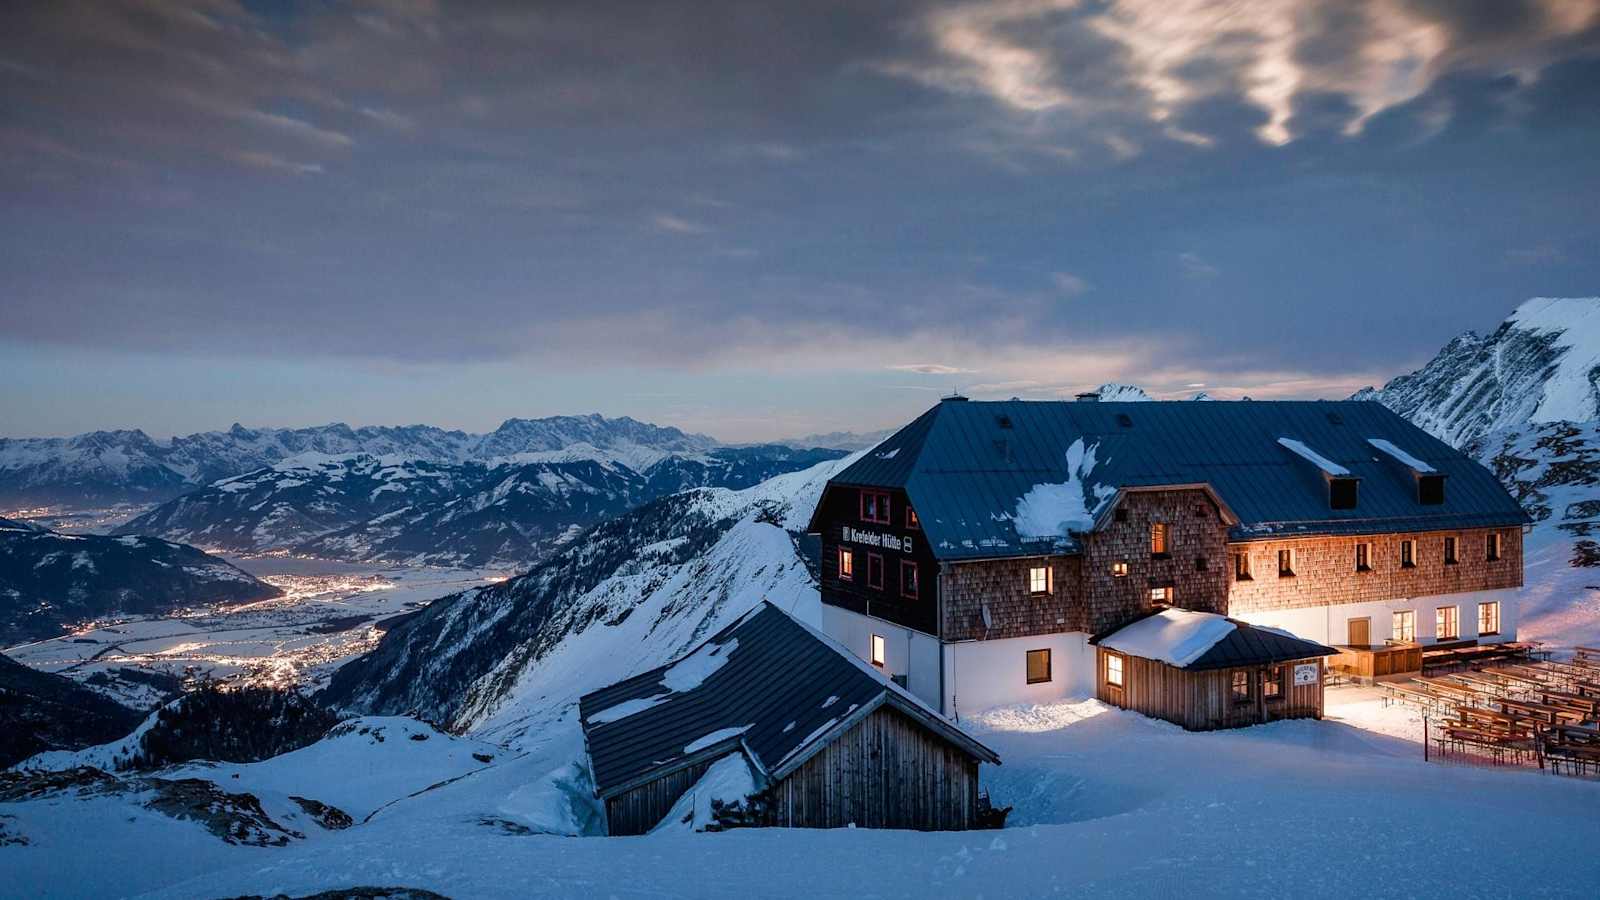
x=1328, y=624
x=906, y=652
x=981, y=675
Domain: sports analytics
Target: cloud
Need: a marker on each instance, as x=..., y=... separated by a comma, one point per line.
x=930, y=369
x=1069, y=284
x=677, y=224
x=1194, y=266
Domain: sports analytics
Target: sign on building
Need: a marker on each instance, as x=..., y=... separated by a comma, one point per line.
x=1305, y=674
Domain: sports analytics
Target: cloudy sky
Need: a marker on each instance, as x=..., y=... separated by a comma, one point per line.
x=765, y=219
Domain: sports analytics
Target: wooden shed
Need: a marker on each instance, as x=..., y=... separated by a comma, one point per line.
x=1204, y=671
x=831, y=741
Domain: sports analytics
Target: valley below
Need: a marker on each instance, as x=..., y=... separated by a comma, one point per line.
x=329, y=612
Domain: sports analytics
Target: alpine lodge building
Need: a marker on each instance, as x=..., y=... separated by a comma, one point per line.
x=1196, y=561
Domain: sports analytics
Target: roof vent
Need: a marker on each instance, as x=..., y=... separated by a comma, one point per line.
x=953, y=398
x=1088, y=397
x=1125, y=420
x=1003, y=421
x=1335, y=419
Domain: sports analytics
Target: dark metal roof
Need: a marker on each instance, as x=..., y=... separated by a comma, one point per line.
x=788, y=687
x=966, y=466
x=1245, y=645
x=1251, y=645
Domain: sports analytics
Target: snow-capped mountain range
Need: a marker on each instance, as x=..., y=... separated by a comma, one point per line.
x=49, y=580
x=398, y=510
x=104, y=467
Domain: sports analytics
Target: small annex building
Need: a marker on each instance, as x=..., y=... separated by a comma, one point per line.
x=1204, y=671
x=829, y=740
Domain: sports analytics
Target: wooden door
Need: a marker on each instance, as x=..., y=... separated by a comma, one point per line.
x=1360, y=632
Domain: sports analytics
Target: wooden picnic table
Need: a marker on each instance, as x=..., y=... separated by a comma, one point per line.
x=1590, y=705
x=1550, y=714
x=1536, y=672
x=1454, y=691
x=1474, y=680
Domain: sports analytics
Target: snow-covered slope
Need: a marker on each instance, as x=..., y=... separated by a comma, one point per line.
x=1542, y=364
x=624, y=597
x=103, y=467
x=50, y=580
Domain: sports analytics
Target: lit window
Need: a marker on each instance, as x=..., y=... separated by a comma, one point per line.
x=1493, y=549
x=875, y=571
x=1408, y=554
x=1161, y=595
x=1272, y=683
x=875, y=507
x=1113, y=670
x=1449, y=551
x=1286, y=563
x=880, y=650
x=1241, y=566
x=1158, y=539
x=1447, y=623
x=1489, y=618
x=1038, y=579
x=908, y=579
x=1119, y=569
x=1405, y=625
x=1241, y=687
x=847, y=565
x=911, y=518
x=1038, y=666
x=1363, y=557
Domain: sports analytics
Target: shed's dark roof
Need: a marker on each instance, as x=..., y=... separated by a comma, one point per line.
x=966, y=465
x=1245, y=645
x=794, y=689
x=1251, y=645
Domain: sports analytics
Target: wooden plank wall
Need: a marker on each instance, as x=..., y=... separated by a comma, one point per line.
x=886, y=772
x=639, y=810
x=1203, y=701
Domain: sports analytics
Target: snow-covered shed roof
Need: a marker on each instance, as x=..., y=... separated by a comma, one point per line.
x=766, y=684
x=1199, y=641
x=1023, y=478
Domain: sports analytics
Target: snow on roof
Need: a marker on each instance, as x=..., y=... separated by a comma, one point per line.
x=1400, y=456
x=1317, y=459
x=1176, y=637
x=684, y=675
x=1054, y=510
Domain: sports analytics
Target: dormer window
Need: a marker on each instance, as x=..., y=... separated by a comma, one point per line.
x=1430, y=490
x=875, y=507
x=1342, y=493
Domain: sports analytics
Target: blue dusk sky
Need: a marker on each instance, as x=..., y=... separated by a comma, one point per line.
x=758, y=220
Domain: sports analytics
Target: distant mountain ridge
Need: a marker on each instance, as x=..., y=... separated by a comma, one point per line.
x=104, y=467
x=394, y=510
